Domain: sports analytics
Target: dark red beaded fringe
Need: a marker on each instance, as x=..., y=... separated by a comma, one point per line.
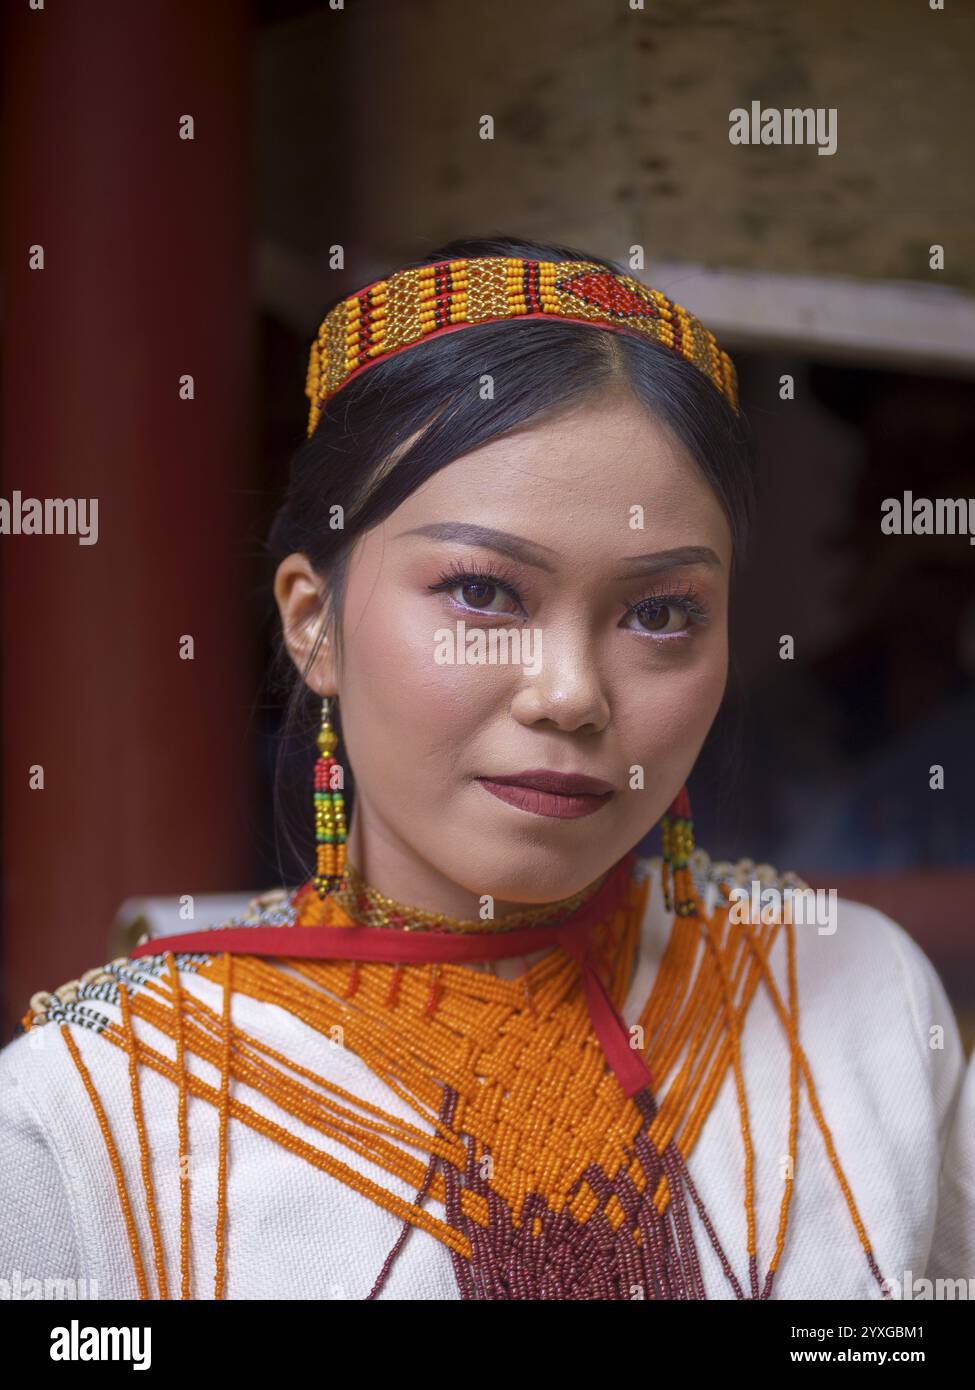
x=568, y=1259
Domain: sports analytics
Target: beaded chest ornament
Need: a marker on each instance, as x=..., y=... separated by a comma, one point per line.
x=558, y=1178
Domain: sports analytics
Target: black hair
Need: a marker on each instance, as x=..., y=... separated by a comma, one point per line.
x=407, y=416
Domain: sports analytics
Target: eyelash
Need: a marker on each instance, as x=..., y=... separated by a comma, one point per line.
x=688, y=600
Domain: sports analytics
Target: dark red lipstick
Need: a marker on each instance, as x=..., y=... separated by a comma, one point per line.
x=541, y=792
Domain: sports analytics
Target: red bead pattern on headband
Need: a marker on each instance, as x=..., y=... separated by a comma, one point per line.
x=415, y=304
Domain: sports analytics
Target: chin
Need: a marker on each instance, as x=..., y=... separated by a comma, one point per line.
x=533, y=873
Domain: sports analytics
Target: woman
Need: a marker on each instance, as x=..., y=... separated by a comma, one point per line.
x=488, y=1050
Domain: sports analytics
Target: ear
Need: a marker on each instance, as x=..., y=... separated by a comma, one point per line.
x=298, y=593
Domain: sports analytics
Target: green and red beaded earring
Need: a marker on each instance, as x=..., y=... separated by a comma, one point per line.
x=677, y=835
x=330, y=827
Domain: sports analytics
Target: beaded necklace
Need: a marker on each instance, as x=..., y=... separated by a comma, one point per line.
x=558, y=1177
x=363, y=904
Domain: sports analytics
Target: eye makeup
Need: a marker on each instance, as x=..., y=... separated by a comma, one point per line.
x=684, y=602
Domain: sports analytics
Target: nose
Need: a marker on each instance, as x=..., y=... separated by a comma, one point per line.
x=567, y=691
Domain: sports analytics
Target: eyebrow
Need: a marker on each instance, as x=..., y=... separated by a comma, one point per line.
x=534, y=554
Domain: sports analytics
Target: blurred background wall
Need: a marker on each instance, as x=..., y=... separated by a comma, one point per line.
x=331, y=143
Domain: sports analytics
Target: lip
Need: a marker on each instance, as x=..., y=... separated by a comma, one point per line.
x=559, y=783
x=541, y=792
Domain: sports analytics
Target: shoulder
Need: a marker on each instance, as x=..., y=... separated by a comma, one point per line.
x=65, y=1048
x=63, y=1027
x=90, y=1001
x=61, y=1051
x=846, y=935
x=857, y=967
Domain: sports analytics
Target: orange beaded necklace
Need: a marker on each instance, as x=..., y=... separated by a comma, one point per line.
x=555, y=1181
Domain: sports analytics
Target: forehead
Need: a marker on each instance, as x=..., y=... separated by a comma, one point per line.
x=579, y=474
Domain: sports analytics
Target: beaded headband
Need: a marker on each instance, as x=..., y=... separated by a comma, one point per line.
x=419, y=303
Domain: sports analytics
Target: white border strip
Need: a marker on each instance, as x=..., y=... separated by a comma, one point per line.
x=896, y=321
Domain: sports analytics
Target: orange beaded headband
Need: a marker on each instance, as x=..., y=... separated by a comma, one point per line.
x=419, y=303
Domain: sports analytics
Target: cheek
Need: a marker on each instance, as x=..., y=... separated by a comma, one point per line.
x=675, y=711
x=399, y=700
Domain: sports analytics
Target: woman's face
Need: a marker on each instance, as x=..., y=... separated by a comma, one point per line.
x=595, y=544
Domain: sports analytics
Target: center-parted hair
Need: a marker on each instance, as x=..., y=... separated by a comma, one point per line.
x=391, y=427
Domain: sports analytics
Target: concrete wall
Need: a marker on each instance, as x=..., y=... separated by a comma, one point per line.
x=611, y=128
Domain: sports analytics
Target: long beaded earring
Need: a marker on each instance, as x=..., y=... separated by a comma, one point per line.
x=677, y=835
x=330, y=828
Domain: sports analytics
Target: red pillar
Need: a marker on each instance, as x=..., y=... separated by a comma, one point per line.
x=147, y=276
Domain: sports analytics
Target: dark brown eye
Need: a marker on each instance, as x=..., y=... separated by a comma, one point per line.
x=660, y=617
x=483, y=596
x=480, y=592
x=478, y=595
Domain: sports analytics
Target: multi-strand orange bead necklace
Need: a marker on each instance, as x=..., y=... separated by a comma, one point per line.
x=559, y=1176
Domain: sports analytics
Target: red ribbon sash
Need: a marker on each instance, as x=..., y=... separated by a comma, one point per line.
x=388, y=944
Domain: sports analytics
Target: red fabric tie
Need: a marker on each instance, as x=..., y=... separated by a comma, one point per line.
x=574, y=935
